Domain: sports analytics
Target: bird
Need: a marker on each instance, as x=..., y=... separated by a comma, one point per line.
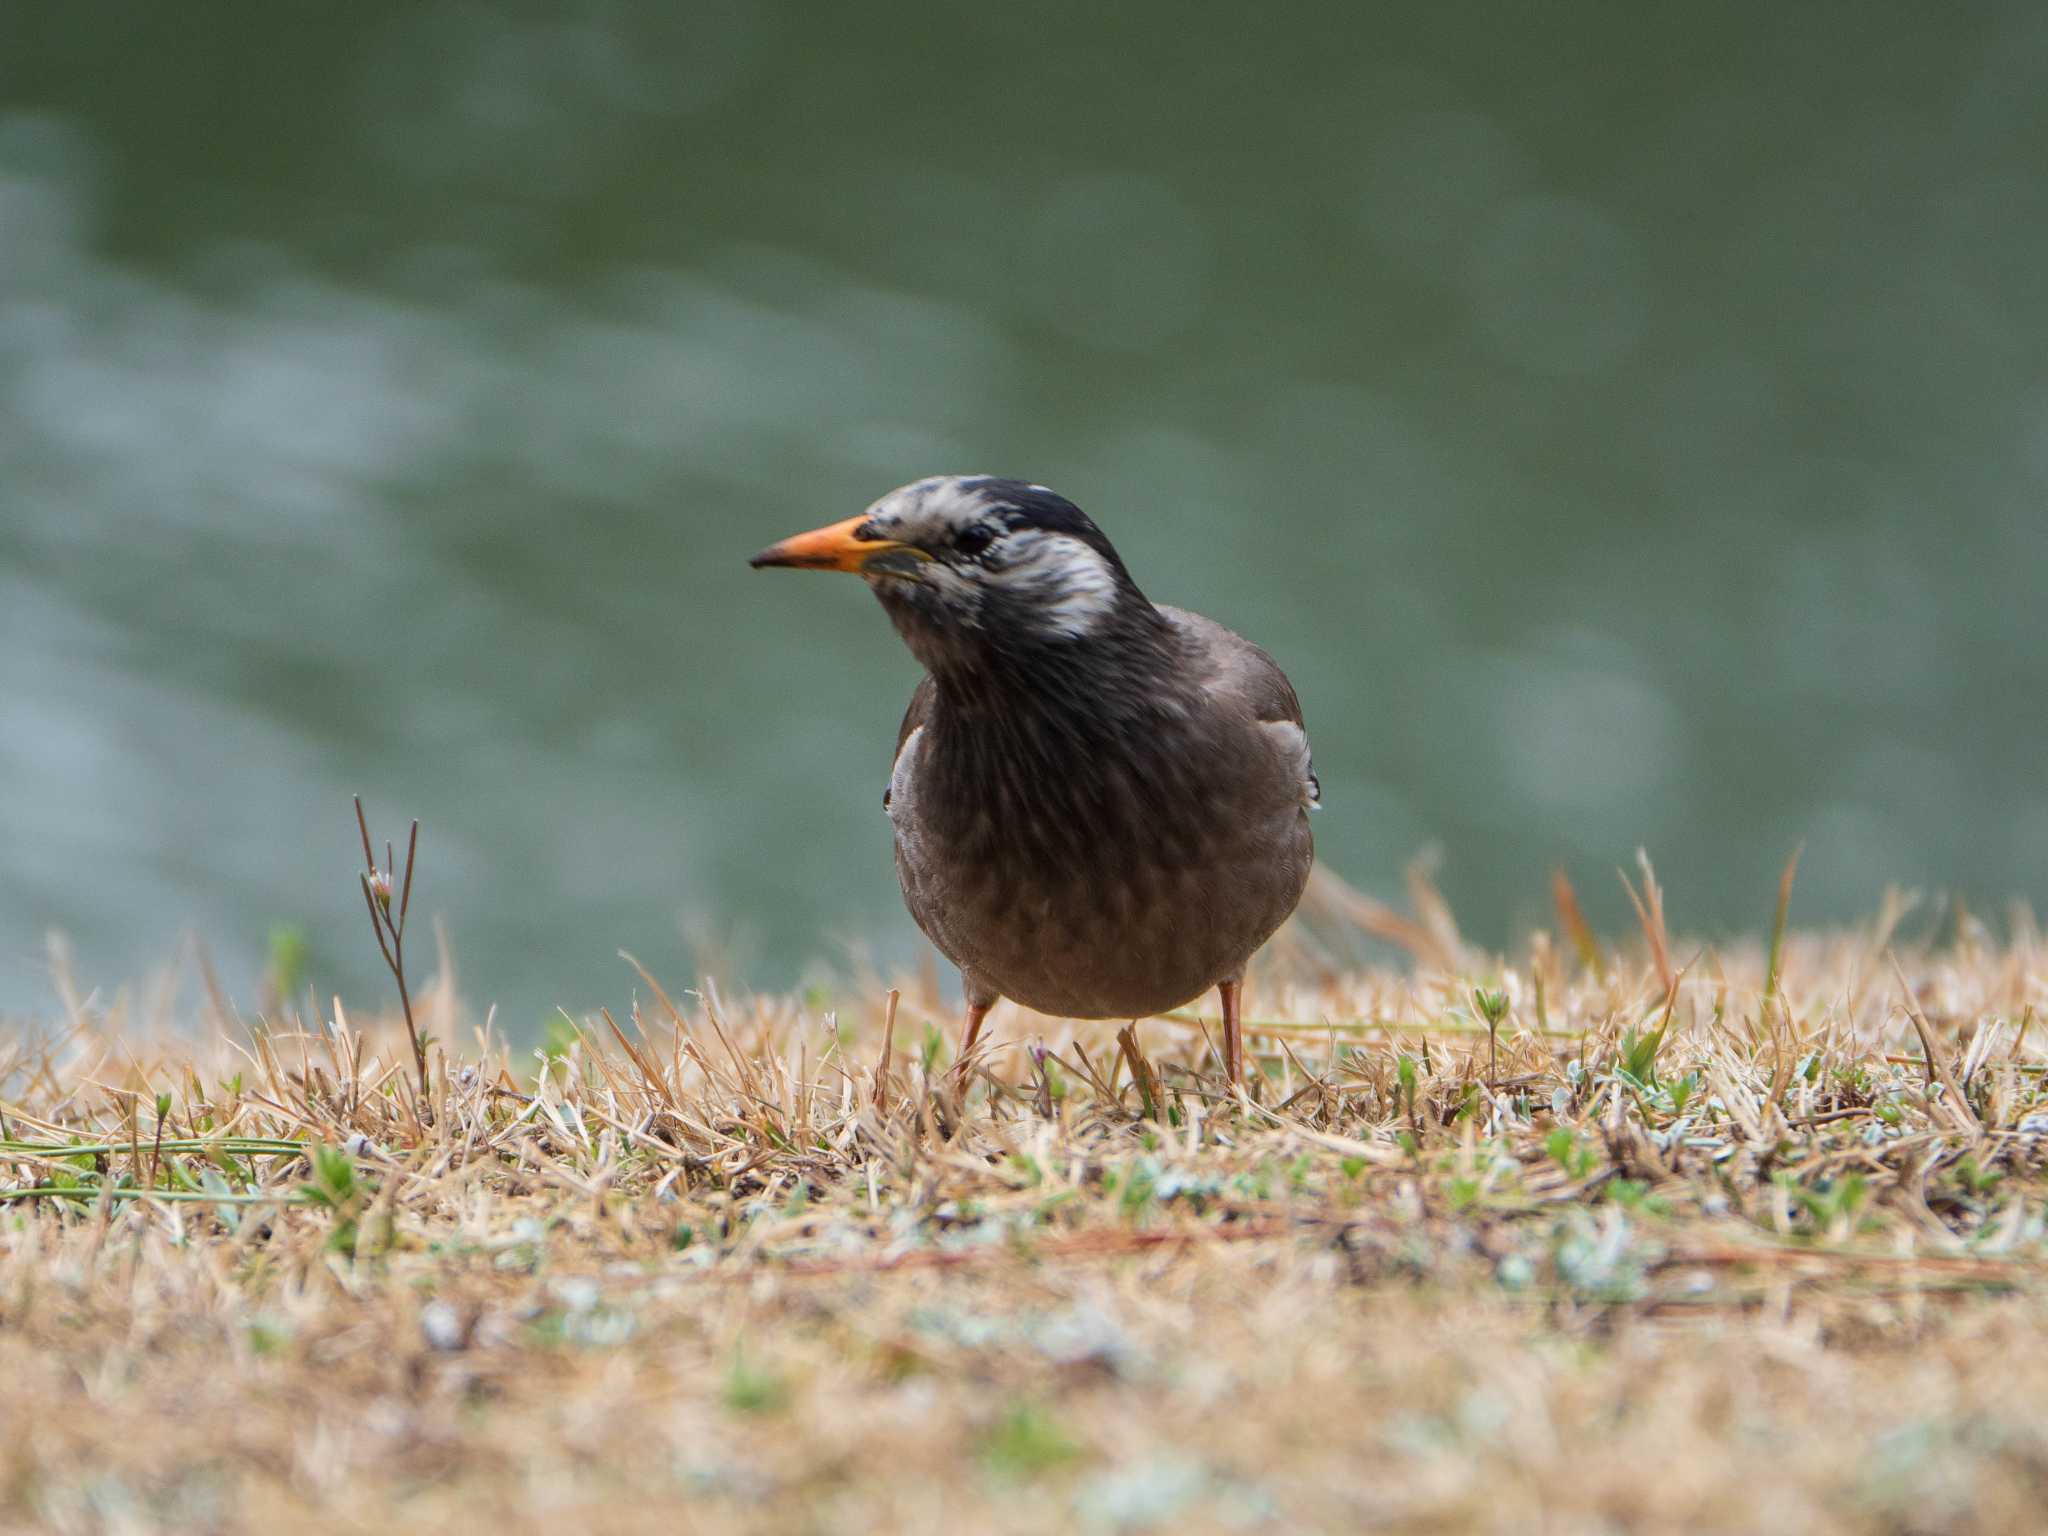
x=1100, y=803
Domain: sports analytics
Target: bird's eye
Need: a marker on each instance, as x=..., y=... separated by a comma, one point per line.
x=972, y=541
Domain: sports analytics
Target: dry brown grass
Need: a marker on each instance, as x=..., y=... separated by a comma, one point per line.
x=1708, y=1253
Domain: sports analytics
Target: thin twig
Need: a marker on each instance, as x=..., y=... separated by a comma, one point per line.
x=888, y=1049
x=390, y=933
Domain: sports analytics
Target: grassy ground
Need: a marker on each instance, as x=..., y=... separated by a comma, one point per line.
x=1692, y=1246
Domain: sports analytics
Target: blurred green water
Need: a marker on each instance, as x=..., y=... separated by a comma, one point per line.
x=1627, y=427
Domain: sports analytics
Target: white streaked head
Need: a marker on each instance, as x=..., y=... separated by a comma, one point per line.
x=989, y=554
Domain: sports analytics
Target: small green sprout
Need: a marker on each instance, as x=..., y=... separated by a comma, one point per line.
x=750, y=1390
x=1025, y=1443
x=289, y=952
x=1493, y=1007
x=1566, y=1150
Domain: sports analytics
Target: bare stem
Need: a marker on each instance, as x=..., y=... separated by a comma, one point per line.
x=390, y=932
x=412, y=845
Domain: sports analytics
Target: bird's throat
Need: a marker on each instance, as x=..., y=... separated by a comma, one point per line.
x=1123, y=681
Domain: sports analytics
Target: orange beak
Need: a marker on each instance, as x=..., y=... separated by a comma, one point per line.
x=840, y=547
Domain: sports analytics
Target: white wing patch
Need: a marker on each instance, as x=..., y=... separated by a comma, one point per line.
x=913, y=841
x=1292, y=740
x=900, y=795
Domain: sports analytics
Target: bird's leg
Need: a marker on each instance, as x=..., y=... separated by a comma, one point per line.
x=976, y=1012
x=1233, y=1031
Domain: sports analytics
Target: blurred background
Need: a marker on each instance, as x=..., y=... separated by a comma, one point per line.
x=1628, y=427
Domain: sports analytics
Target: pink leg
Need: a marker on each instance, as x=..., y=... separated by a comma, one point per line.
x=976, y=1012
x=1233, y=1031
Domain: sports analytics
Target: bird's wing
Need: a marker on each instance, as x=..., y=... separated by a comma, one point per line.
x=1244, y=673
x=913, y=721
